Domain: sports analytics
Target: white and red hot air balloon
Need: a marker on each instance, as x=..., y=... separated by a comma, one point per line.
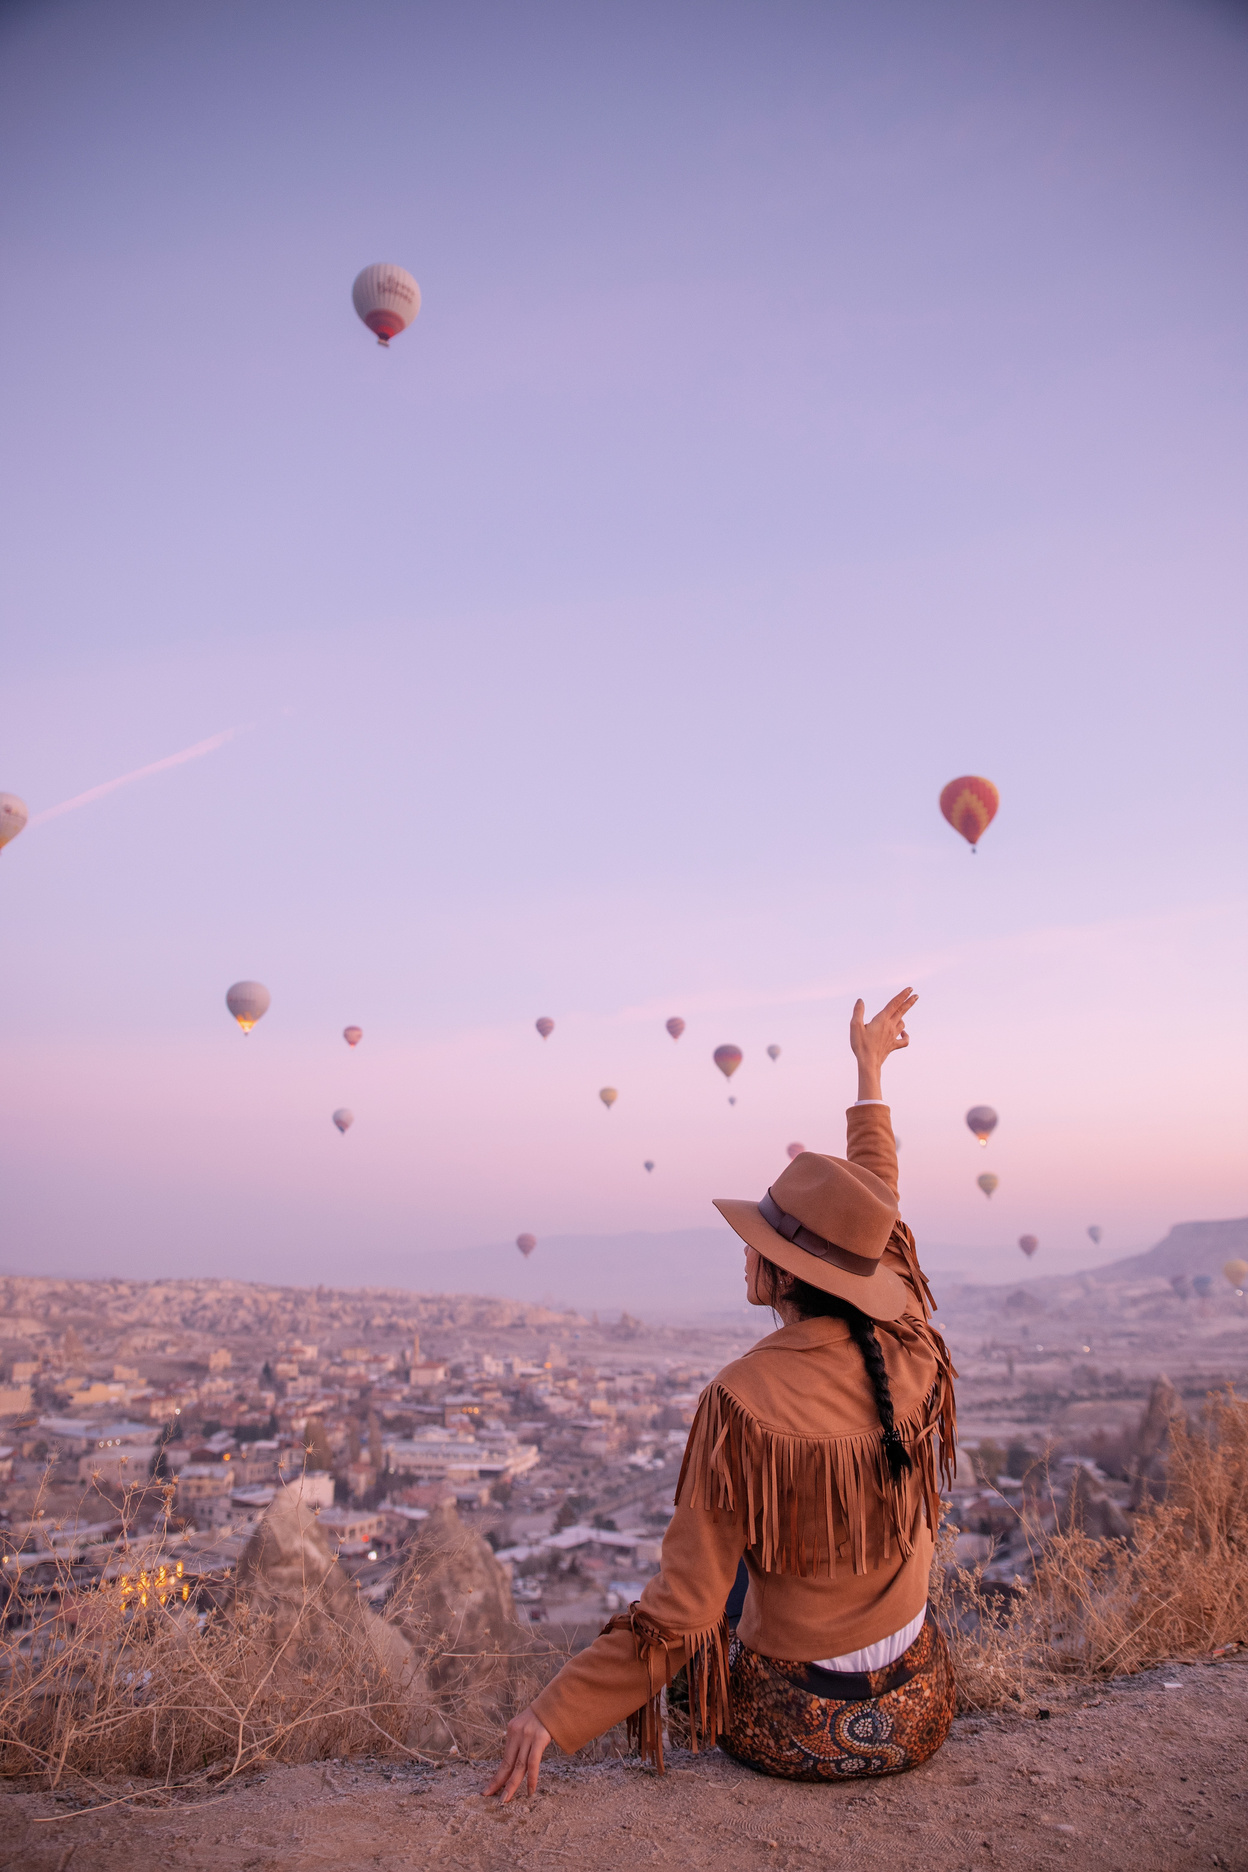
x=387, y=298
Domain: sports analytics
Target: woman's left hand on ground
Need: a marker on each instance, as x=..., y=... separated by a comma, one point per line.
x=527, y=1742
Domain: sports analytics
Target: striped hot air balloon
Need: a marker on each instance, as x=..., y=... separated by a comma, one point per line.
x=727, y=1058
x=675, y=1026
x=987, y=1182
x=970, y=805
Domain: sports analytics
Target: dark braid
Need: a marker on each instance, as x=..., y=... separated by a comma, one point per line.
x=777, y=1284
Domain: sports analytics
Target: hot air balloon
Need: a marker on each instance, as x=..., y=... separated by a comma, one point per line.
x=732, y=1101
x=794, y=1150
x=608, y=1095
x=387, y=298
x=344, y=1119
x=970, y=805
x=1095, y=1233
x=353, y=1035
x=1202, y=1285
x=248, y=1002
x=987, y=1182
x=545, y=1026
x=675, y=1026
x=526, y=1244
x=982, y=1121
x=648, y=1165
x=773, y=1052
x=1236, y=1272
x=1028, y=1244
x=727, y=1058
x=13, y=816
x=1181, y=1285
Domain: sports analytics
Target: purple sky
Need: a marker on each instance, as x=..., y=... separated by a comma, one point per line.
x=810, y=403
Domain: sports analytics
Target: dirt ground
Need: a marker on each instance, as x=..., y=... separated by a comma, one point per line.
x=1142, y=1778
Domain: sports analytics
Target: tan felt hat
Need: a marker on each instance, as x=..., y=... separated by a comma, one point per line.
x=828, y=1222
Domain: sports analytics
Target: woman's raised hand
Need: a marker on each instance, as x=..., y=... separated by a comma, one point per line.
x=873, y=1040
x=527, y=1742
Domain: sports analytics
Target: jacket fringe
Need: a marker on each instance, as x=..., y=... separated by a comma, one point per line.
x=904, y=1242
x=706, y=1667
x=802, y=1498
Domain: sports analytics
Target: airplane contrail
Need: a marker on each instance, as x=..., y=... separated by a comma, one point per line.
x=140, y=773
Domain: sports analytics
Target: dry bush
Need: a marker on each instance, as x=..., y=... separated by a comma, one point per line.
x=1178, y=1587
x=116, y=1683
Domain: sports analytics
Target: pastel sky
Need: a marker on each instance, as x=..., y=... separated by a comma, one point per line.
x=810, y=403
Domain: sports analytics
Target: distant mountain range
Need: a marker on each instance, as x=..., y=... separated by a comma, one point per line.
x=1189, y=1248
x=685, y=1272
x=688, y=1273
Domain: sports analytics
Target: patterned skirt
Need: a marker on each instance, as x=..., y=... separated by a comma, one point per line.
x=807, y=1724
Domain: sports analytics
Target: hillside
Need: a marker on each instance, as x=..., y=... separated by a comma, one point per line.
x=1146, y=1775
x=1190, y=1248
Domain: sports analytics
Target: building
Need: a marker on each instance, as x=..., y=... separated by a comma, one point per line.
x=352, y=1530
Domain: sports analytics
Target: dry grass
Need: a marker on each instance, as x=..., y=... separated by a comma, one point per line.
x=128, y=1681
x=1098, y=1608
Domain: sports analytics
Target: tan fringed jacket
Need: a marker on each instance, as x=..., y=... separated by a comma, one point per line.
x=784, y=1465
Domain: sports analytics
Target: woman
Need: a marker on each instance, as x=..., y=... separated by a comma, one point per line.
x=813, y=1458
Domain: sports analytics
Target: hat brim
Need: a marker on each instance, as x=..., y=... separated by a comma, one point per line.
x=881, y=1296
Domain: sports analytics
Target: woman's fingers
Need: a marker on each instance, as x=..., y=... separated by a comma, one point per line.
x=508, y=1761
x=527, y=1739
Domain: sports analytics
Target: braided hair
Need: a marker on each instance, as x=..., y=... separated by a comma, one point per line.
x=777, y=1284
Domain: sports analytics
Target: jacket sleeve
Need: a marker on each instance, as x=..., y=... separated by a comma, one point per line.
x=870, y=1141
x=679, y=1620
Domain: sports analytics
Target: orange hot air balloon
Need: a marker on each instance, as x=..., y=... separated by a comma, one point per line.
x=526, y=1244
x=545, y=1026
x=773, y=1052
x=1236, y=1272
x=353, y=1035
x=675, y=1026
x=982, y=1121
x=987, y=1182
x=794, y=1150
x=727, y=1058
x=1028, y=1244
x=970, y=805
x=608, y=1095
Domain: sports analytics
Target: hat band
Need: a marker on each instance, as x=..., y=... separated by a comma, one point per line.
x=792, y=1230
